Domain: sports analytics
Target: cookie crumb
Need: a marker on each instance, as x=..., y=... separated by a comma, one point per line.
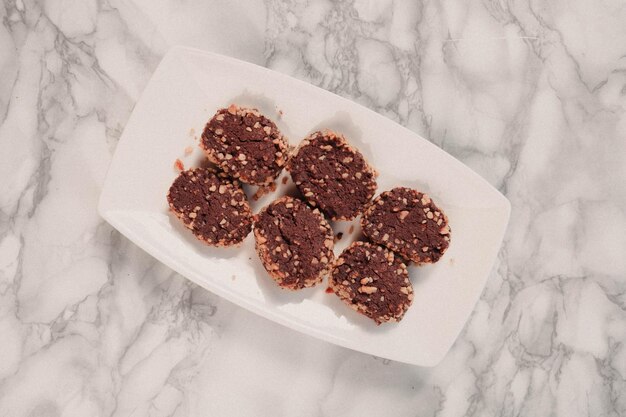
x=188, y=150
x=263, y=190
x=178, y=165
x=338, y=236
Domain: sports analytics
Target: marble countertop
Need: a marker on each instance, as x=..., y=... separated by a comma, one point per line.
x=531, y=95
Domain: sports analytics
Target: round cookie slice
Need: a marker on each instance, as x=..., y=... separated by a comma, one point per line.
x=409, y=223
x=294, y=242
x=211, y=206
x=373, y=281
x=245, y=144
x=332, y=175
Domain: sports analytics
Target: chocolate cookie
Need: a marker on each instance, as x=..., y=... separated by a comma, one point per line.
x=213, y=207
x=294, y=242
x=373, y=281
x=245, y=144
x=332, y=175
x=409, y=223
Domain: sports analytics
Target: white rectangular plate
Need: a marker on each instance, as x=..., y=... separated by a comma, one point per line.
x=186, y=90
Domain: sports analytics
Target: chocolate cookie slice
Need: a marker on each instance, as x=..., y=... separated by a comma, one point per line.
x=409, y=223
x=211, y=206
x=245, y=144
x=294, y=242
x=332, y=175
x=373, y=281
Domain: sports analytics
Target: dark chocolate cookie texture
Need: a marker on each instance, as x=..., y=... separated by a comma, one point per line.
x=373, y=281
x=409, y=223
x=213, y=207
x=245, y=144
x=332, y=175
x=294, y=243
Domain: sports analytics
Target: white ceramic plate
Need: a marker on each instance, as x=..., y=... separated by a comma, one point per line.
x=185, y=91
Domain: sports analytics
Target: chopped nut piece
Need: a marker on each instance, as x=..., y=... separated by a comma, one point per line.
x=368, y=290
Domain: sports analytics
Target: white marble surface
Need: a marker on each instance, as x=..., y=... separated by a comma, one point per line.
x=531, y=95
